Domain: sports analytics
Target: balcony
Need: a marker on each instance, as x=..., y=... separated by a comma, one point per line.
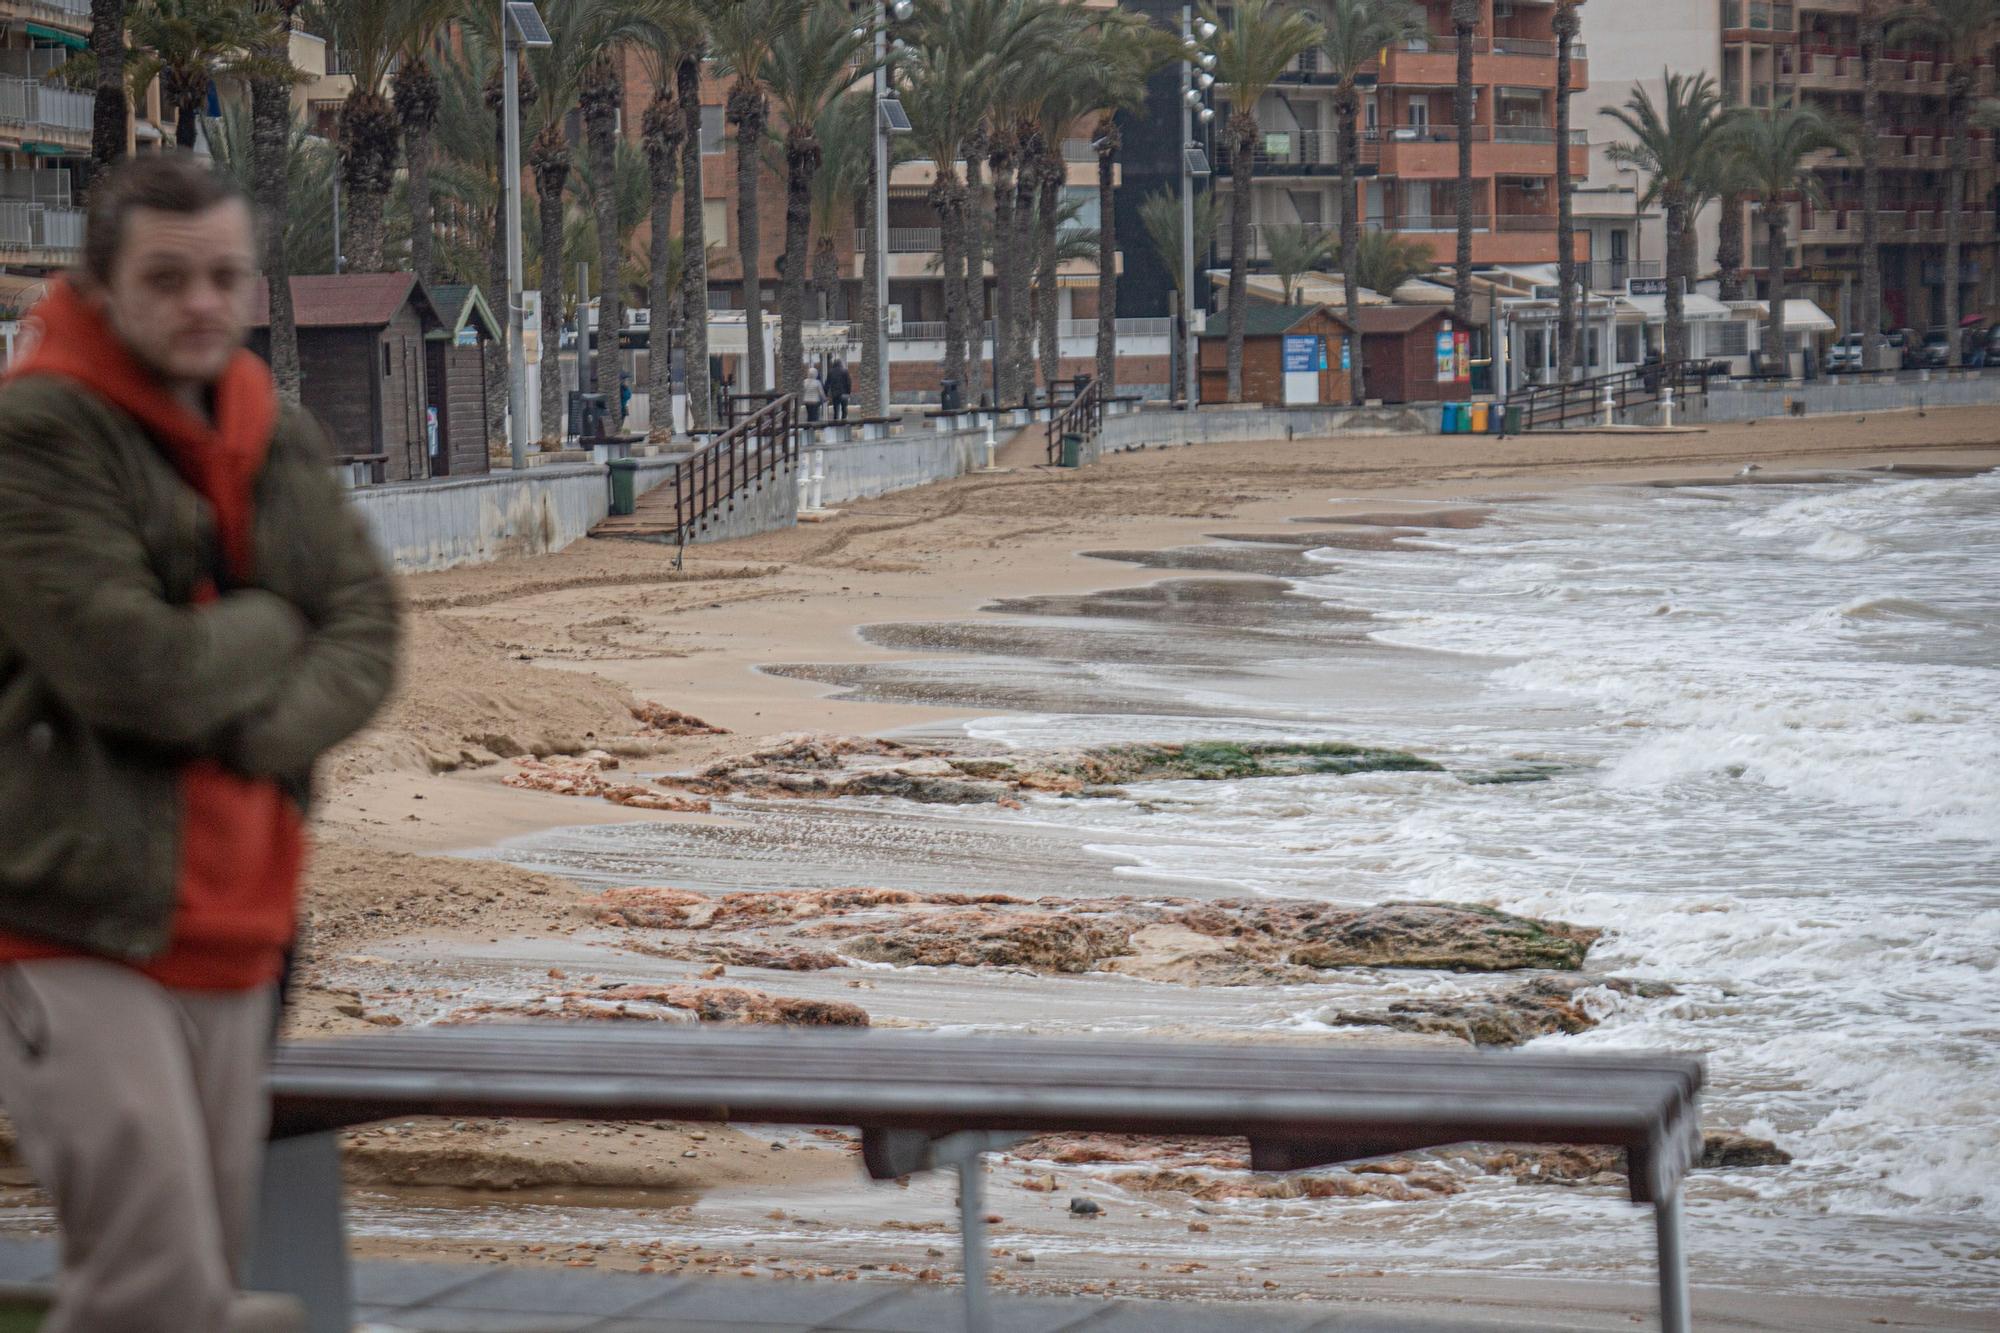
x=1299, y=153
x=40, y=233
x=33, y=111
x=1431, y=222
x=74, y=14
x=1758, y=16
x=1611, y=275
x=1541, y=134
x=915, y=240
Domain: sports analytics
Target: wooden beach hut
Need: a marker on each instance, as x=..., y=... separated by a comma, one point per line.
x=1293, y=356
x=455, y=374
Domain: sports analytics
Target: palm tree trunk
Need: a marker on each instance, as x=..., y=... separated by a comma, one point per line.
x=1566, y=321
x=1050, y=322
x=1347, y=106
x=549, y=157
x=1020, y=343
x=951, y=254
x=1464, y=17
x=661, y=131
x=187, y=122
x=417, y=99
x=1729, y=248
x=1774, y=282
x=1676, y=273
x=974, y=313
x=108, y=110
x=1954, y=216
x=599, y=99
x=1243, y=129
x=1004, y=260
x=801, y=160
x=867, y=391
x=1870, y=315
x=747, y=112
x=368, y=141
x=1107, y=258
x=694, y=244
x=270, y=188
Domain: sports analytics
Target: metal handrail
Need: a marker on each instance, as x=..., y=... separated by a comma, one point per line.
x=753, y=449
x=1563, y=402
x=1084, y=416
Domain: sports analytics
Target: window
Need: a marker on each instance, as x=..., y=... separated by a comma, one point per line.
x=1628, y=344
x=715, y=221
x=1593, y=346
x=1086, y=201
x=386, y=368
x=1730, y=338
x=711, y=130
x=1420, y=113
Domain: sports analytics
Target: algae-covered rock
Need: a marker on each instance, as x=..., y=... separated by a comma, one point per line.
x=1443, y=935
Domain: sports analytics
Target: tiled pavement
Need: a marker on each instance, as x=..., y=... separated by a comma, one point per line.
x=444, y=1298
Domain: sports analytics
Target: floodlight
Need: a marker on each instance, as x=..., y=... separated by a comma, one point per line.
x=1205, y=79
x=902, y=9
x=1207, y=60
x=858, y=34
x=1207, y=114
x=1205, y=29
x=1191, y=97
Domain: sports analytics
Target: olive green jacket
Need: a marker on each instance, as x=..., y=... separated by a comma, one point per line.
x=112, y=678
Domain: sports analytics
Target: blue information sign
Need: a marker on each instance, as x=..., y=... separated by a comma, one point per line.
x=1301, y=353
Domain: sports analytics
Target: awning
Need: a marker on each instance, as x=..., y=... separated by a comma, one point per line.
x=73, y=41
x=49, y=150
x=1694, y=306
x=1800, y=316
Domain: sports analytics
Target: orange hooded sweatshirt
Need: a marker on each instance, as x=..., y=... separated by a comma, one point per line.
x=242, y=839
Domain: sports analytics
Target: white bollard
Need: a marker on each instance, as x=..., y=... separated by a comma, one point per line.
x=818, y=479
x=805, y=505
x=1667, y=406
x=990, y=445
x=1610, y=405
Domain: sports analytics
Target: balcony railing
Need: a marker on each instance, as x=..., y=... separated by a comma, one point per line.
x=1078, y=150
x=1537, y=134
x=37, y=187
x=1278, y=149
x=1613, y=274
x=71, y=8
x=915, y=240
x=1426, y=222
x=39, y=227
x=1762, y=17
x=28, y=102
x=934, y=330
x=1433, y=133
x=1524, y=222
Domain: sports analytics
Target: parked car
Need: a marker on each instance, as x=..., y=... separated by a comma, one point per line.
x=1844, y=355
x=1935, y=354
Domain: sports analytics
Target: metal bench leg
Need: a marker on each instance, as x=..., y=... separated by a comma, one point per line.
x=1674, y=1316
x=300, y=1247
x=972, y=1233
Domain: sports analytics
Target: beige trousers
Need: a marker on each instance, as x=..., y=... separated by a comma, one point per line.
x=142, y=1111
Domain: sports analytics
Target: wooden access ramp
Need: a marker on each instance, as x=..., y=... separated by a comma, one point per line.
x=746, y=461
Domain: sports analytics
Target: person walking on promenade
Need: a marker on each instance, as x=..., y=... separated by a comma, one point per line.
x=812, y=393
x=839, y=384
x=190, y=615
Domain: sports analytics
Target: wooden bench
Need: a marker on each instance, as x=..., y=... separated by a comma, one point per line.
x=925, y=1100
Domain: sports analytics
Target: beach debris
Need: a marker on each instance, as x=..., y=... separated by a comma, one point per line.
x=659, y=720
x=584, y=776
x=1081, y=1207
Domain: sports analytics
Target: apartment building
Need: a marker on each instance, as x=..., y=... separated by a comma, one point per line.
x=44, y=136
x=1810, y=54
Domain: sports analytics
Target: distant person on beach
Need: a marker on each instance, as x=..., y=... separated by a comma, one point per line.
x=190, y=615
x=812, y=393
x=838, y=386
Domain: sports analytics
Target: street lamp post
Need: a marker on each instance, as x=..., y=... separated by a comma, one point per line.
x=523, y=29
x=1194, y=163
x=890, y=118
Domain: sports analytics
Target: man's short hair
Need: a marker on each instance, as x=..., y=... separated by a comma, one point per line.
x=173, y=182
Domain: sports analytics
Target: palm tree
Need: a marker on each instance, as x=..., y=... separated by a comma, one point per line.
x=1124, y=52
x=373, y=33
x=694, y=240
x=1464, y=20
x=1295, y=248
x=271, y=135
x=1067, y=69
x=661, y=132
x=846, y=133
x=814, y=59
x=599, y=93
x=1160, y=215
x=302, y=241
x=187, y=45
x=740, y=33
x=418, y=97
x=1771, y=153
x=1567, y=22
x=1357, y=31
x=1385, y=261
x=1963, y=32
x=1251, y=51
x=1674, y=145
x=109, y=111
x=1872, y=25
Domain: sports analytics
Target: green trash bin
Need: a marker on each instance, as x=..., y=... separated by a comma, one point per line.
x=1513, y=418
x=624, y=484
x=1072, y=451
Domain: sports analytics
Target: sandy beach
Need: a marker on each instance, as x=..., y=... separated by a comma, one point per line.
x=609, y=679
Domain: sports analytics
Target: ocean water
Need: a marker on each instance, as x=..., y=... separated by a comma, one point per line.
x=1772, y=719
